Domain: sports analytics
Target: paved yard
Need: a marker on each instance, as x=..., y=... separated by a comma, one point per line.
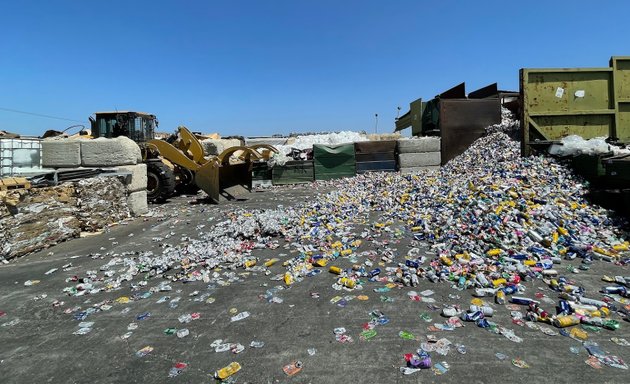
x=38, y=344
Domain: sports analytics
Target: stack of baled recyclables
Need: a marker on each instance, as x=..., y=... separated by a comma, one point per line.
x=419, y=153
x=120, y=154
x=347, y=160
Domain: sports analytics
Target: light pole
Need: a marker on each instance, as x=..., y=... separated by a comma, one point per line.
x=376, y=123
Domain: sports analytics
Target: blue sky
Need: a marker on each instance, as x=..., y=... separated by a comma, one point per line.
x=280, y=66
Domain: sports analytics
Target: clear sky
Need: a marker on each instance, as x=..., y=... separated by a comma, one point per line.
x=279, y=66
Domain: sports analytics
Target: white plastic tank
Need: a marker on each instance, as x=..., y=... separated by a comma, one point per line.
x=21, y=156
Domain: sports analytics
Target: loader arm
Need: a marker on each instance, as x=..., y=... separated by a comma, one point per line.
x=190, y=145
x=246, y=155
x=174, y=155
x=265, y=150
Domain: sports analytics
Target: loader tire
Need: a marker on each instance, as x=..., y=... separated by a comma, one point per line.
x=160, y=182
x=186, y=184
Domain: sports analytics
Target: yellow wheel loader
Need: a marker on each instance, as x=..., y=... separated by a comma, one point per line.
x=179, y=163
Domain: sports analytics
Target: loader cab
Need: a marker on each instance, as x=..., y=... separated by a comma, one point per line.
x=138, y=126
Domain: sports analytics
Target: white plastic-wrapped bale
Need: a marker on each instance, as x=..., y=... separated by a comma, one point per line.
x=61, y=153
x=137, y=202
x=419, y=145
x=103, y=152
x=408, y=160
x=266, y=140
x=138, y=181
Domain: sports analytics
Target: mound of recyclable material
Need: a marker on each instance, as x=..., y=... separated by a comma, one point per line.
x=307, y=141
x=487, y=203
x=38, y=218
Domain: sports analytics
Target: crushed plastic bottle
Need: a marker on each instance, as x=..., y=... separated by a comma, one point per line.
x=227, y=371
x=177, y=369
x=240, y=316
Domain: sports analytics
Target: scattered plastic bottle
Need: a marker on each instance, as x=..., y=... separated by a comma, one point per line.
x=240, y=316
x=227, y=371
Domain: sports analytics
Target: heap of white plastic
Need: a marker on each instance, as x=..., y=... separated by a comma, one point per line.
x=307, y=141
x=576, y=145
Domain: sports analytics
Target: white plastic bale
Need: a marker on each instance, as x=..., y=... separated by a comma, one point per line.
x=103, y=152
x=419, y=145
x=138, y=180
x=411, y=160
x=65, y=153
x=137, y=202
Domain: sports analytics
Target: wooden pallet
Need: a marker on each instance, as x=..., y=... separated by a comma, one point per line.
x=9, y=183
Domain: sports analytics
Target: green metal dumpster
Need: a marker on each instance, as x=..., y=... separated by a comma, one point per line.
x=293, y=172
x=261, y=174
x=588, y=102
x=334, y=162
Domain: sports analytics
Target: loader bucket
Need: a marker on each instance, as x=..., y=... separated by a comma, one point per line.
x=207, y=179
x=225, y=181
x=235, y=180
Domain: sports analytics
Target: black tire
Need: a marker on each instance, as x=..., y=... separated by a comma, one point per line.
x=186, y=184
x=160, y=182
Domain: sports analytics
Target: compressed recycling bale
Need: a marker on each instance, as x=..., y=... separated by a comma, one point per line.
x=103, y=152
x=408, y=170
x=61, y=153
x=38, y=218
x=138, y=176
x=213, y=147
x=266, y=140
x=422, y=144
x=137, y=202
x=407, y=160
x=101, y=201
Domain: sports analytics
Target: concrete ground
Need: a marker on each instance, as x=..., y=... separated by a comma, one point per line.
x=40, y=346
